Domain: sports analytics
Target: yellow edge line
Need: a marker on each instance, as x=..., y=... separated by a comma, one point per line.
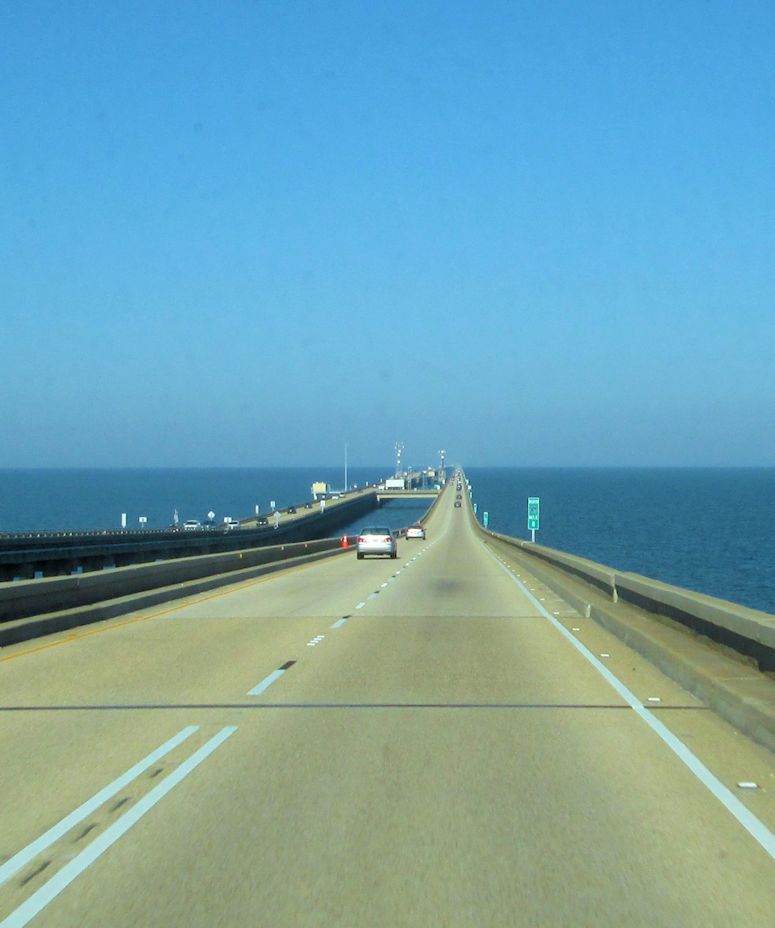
x=154, y=615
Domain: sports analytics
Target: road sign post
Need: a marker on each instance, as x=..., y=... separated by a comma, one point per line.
x=533, y=515
x=486, y=518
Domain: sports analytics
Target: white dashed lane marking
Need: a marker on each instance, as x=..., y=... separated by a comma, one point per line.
x=754, y=826
x=270, y=679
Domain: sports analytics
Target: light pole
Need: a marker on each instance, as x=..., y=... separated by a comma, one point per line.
x=346, y=446
x=399, y=449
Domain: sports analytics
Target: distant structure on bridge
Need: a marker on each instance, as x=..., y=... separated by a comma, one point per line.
x=414, y=483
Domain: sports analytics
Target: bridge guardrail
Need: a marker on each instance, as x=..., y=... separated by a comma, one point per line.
x=57, y=555
x=750, y=632
x=433, y=505
x=662, y=622
x=32, y=608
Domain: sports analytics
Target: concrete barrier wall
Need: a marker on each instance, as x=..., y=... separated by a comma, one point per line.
x=36, y=597
x=433, y=505
x=750, y=632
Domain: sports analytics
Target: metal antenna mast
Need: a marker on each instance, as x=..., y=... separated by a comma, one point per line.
x=399, y=449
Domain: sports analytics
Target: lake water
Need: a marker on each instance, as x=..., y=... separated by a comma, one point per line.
x=710, y=530
x=33, y=500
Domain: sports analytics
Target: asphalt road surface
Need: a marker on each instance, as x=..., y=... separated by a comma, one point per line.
x=435, y=740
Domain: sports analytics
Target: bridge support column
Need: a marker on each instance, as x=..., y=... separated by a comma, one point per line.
x=55, y=568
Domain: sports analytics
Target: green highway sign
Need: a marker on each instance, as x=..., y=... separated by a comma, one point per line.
x=533, y=513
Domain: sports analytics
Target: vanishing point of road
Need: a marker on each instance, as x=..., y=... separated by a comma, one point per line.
x=411, y=742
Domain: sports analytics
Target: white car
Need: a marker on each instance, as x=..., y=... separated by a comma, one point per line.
x=415, y=531
x=377, y=540
x=192, y=525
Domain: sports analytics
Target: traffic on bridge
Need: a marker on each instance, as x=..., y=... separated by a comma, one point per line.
x=436, y=739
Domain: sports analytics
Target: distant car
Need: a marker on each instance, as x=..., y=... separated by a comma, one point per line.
x=377, y=540
x=291, y=509
x=192, y=525
x=262, y=520
x=458, y=496
x=458, y=504
x=415, y=531
x=209, y=523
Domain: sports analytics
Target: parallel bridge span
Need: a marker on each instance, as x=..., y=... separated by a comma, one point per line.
x=476, y=733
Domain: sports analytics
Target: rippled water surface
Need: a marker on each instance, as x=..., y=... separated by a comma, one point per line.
x=33, y=500
x=711, y=530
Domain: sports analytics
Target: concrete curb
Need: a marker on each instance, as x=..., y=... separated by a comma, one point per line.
x=39, y=625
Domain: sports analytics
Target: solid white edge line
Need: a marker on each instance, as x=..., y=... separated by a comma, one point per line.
x=756, y=828
x=50, y=890
x=24, y=856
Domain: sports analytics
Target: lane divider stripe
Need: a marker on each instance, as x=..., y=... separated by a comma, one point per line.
x=50, y=890
x=12, y=866
x=270, y=679
x=265, y=683
x=756, y=828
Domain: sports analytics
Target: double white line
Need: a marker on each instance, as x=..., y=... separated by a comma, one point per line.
x=51, y=889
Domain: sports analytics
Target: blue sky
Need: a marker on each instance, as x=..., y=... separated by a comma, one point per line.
x=244, y=233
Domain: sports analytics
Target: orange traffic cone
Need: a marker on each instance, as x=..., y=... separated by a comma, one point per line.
x=345, y=542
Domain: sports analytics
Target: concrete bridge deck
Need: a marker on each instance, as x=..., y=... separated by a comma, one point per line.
x=415, y=493
x=372, y=743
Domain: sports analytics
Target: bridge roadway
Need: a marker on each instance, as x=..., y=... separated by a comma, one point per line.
x=439, y=754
